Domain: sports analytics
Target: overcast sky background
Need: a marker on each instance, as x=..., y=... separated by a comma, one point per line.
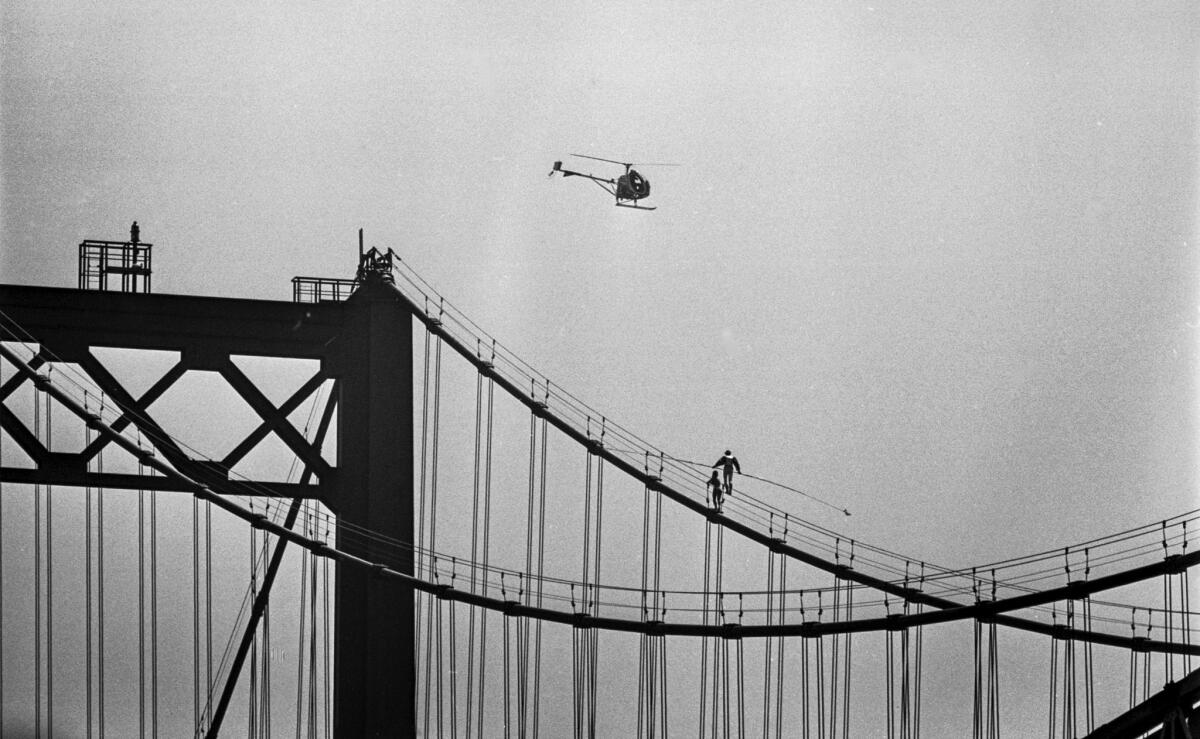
x=935, y=262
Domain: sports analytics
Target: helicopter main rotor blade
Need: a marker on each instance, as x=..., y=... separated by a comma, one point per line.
x=658, y=164
x=598, y=159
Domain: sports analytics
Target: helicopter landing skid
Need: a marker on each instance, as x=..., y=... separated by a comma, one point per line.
x=635, y=206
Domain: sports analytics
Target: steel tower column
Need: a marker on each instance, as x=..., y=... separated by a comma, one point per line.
x=374, y=674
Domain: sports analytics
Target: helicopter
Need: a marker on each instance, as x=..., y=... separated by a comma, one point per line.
x=628, y=189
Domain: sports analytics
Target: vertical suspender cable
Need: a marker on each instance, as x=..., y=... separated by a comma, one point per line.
x=100, y=590
x=706, y=605
x=594, y=634
x=87, y=577
x=37, y=579
x=1069, y=677
x=507, y=712
x=779, y=653
x=153, y=614
x=2, y=606
x=994, y=680
x=49, y=578
x=833, y=677
x=265, y=709
x=196, y=718
x=208, y=607
x=523, y=625
x=1053, y=678
x=977, y=702
x=890, y=659
x=820, y=672
x=252, y=712
x=141, y=522
x=453, y=661
x=301, y=631
x=1133, y=660
x=541, y=560
x=421, y=552
x=805, y=674
x=474, y=554
x=919, y=657
x=658, y=655
x=849, y=646
x=326, y=651
x=1088, y=671
x=432, y=602
x=741, y=676
x=487, y=516
x=767, y=684
x=720, y=679
x=663, y=677
x=312, y=636
x=584, y=635
x=643, y=638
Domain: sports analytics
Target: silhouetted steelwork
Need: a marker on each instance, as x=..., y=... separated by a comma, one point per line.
x=364, y=344
x=322, y=289
x=115, y=265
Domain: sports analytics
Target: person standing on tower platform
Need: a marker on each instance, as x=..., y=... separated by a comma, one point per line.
x=728, y=463
x=134, y=233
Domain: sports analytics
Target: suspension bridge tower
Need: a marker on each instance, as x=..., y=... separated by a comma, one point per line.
x=362, y=340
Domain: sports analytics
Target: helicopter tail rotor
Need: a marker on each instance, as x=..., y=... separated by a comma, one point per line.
x=557, y=168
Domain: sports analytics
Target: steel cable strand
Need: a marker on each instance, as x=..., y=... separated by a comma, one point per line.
x=917, y=666
x=507, y=711
x=579, y=672
x=644, y=688
x=37, y=580
x=704, y=640
x=487, y=514
x=2, y=498
x=993, y=698
x=1187, y=616
x=265, y=694
x=252, y=697
x=87, y=569
x=594, y=634
x=890, y=690
x=326, y=652
x=453, y=668
x=419, y=627
x=766, y=713
x=741, y=688
x=153, y=614
x=476, y=460
x=804, y=674
x=100, y=593
x=585, y=637
x=301, y=634
x=312, y=644
x=49, y=575
x=723, y=642
x=659, y=603
x=304, y=625
x=833, y=678
x=780, y=660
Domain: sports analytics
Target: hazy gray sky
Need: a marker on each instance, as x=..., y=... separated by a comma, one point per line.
x=935, y=261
